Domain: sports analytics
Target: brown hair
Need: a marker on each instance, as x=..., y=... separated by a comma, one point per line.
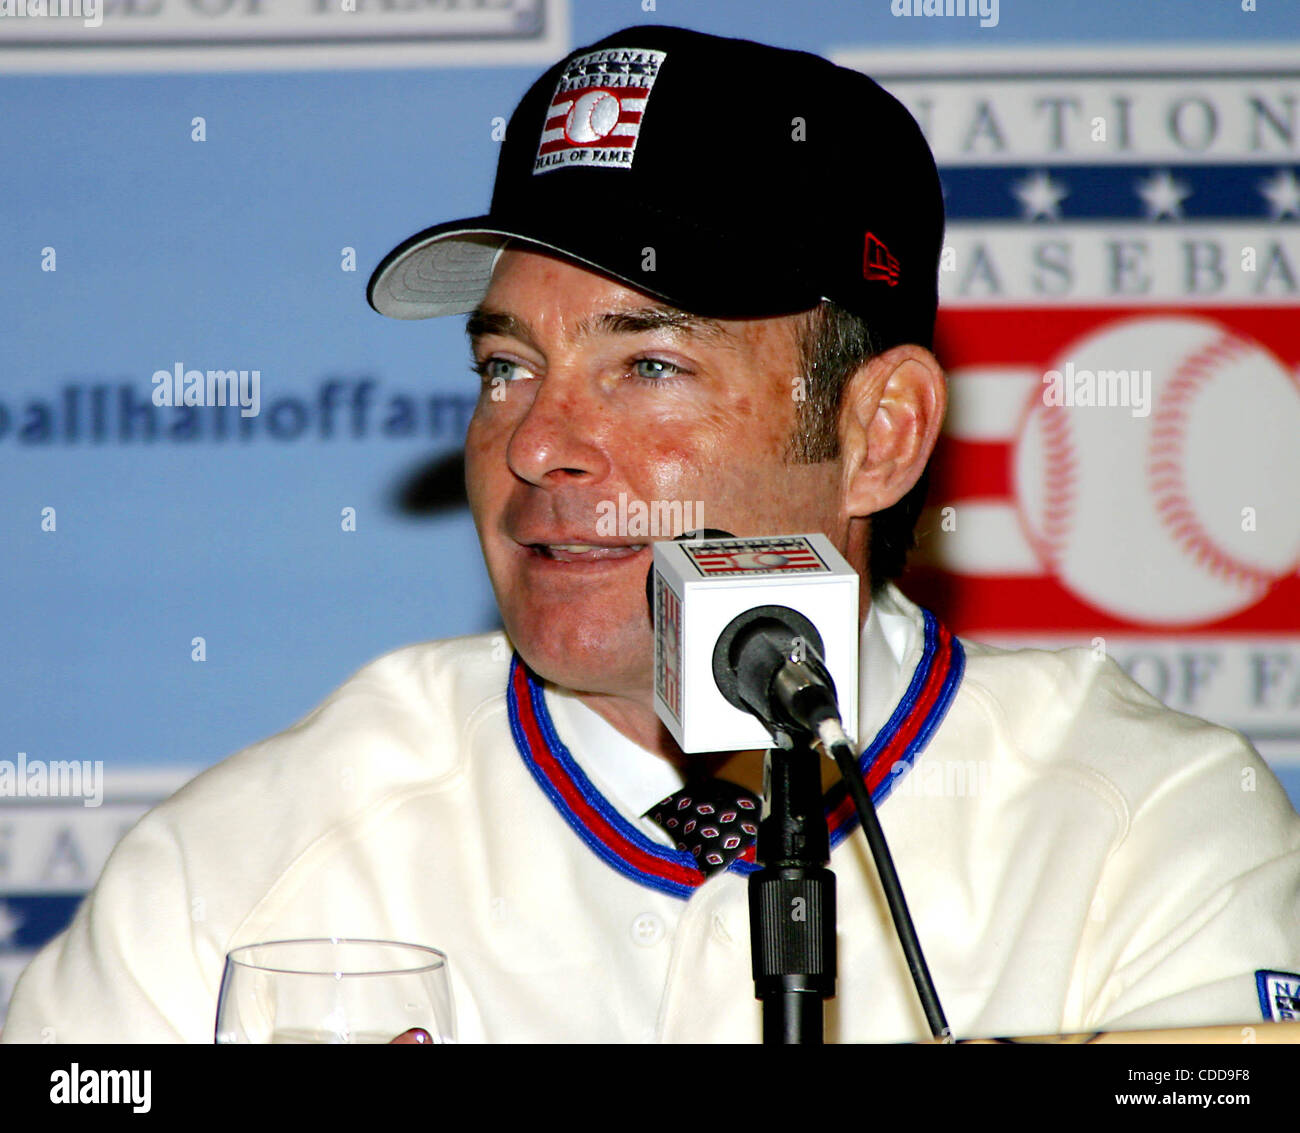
x=832, y=343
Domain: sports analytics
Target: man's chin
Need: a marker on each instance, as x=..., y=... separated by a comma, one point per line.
x=587, y=668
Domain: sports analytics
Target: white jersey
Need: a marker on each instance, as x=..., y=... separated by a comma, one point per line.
x=1076, y=858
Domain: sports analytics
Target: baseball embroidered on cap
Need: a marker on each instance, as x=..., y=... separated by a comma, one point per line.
x=595, y=115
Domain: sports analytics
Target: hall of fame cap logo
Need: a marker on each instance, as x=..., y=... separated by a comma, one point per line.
x=595, y=116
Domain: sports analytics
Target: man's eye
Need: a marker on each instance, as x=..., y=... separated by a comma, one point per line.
x=494, y=369
x=653, y=369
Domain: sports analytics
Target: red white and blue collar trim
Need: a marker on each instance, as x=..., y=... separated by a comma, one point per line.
x=625, y=848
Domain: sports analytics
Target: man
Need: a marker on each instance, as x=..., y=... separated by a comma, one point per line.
x=708, y=274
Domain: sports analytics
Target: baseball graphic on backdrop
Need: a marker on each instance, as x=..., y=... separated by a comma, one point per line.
x=1156, y=468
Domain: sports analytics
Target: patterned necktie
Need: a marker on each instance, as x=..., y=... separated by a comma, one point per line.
x=713, y=819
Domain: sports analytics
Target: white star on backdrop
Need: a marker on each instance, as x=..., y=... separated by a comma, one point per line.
x=1040, y=196
x=1163, y=196
x=1283, y=193
x=10, y=923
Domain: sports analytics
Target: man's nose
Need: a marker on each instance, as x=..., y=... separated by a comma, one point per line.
x=561, y=435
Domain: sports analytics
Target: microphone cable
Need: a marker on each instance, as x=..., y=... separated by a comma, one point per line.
x=833, y=741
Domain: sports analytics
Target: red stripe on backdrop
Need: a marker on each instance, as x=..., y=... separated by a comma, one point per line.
x=1029, y=336
x=974, y=606
x=966, y=470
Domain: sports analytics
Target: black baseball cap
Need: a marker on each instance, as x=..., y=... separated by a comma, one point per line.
x=727, y=178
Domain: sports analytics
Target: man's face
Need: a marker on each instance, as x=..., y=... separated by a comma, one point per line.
x=592, y=390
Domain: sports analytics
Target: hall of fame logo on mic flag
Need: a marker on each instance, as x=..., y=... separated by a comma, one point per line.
x=749, y=557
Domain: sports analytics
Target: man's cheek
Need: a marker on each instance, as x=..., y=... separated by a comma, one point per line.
x=479, y=461
x=672, y=471
x=764, y=424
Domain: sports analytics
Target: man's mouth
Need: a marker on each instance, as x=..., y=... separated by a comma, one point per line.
x=585, y=552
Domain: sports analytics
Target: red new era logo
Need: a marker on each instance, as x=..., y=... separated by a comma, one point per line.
x=878, y=262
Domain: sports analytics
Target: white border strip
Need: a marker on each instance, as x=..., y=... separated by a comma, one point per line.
x=1152, y=60
x=323, y=53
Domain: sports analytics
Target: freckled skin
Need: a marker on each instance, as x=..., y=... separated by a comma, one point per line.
x=578, y=426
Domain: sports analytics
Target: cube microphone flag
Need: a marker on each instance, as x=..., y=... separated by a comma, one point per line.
x=728, y=613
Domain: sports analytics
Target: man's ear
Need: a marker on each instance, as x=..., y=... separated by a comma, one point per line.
x=890, y=416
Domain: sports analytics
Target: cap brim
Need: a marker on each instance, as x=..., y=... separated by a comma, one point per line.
x=443, y=270
x=446, y=270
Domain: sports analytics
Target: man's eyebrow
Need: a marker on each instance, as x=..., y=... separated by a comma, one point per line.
x=639, y=320
x=483, y=322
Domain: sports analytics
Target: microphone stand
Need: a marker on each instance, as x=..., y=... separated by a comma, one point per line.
x=792, y=898
x=762, y=665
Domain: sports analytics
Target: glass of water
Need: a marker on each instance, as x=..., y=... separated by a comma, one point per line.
x=334, y=990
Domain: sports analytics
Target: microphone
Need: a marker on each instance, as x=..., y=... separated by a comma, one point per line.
x=768, y=661
x=753, y=637
x=774, y=623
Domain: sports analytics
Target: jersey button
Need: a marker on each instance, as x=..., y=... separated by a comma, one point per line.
x=648, y=929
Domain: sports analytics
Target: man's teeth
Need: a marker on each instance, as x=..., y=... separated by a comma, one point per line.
x=583, y=548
